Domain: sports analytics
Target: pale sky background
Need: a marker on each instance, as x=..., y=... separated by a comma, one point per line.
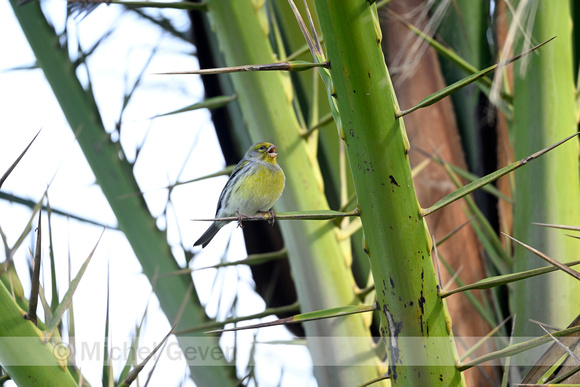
x=27, y=105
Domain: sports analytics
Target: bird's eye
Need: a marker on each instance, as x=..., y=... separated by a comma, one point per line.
x=262, y=148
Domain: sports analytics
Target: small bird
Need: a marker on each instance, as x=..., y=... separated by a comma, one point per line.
x=254, y=186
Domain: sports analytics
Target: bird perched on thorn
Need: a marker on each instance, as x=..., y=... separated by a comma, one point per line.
x=254, y=186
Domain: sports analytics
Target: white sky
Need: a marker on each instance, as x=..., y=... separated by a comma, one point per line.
x=27, y=104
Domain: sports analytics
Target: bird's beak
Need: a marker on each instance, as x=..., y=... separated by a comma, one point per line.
x=272, y=151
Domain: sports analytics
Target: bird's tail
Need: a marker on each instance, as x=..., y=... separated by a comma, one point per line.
x=209, y=234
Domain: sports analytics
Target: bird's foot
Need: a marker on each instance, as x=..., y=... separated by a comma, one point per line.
x=241, y=217
x=271, y=216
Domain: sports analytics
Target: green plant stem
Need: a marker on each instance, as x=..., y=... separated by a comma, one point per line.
x=547, y=190
x=397, y=239
x=318, y=265
x=23, y=354
x=116, y=179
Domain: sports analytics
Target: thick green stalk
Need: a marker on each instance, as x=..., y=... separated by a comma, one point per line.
x=397, y=239
x=319, y=270
x=325, y=139
x=547, y=191
x=23, y=353
x=117, y=181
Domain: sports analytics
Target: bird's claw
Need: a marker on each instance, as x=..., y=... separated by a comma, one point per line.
x=271, y=216
x=241, y=217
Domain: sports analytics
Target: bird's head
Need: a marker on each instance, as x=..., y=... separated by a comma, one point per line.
x=263, y=151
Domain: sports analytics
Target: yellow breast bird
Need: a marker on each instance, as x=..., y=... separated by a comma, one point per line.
x=254, y=186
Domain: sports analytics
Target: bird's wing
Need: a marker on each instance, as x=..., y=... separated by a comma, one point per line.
x=242, y=166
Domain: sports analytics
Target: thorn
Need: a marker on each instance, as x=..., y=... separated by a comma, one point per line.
x=35, y=286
